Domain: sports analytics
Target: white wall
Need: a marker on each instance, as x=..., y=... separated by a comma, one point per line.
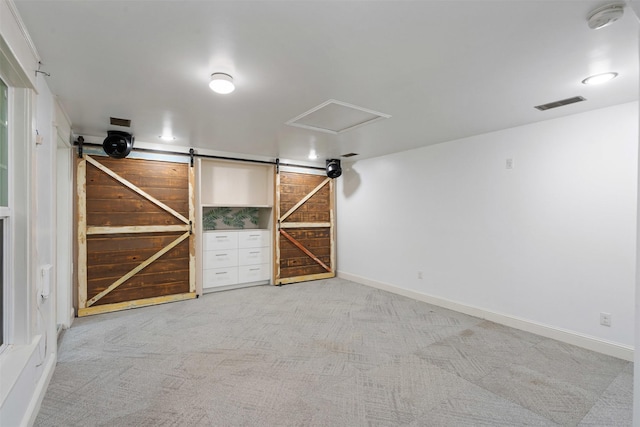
x=44, y=207
x=64, y=219
x=549, y=243
x=27, y=364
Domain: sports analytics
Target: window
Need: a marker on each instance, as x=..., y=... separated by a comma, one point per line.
x=2, y=298
x=4, y=145
x=4, y=211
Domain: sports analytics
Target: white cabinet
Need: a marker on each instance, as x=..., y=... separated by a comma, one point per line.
x=251, y=256
x=216, y=277
x=214, y=241
x=253, y=273
x=221, y=259
x=234, y=257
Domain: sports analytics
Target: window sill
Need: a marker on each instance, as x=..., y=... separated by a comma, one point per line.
x=13, y=361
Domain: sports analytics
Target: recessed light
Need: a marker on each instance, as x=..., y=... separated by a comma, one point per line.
x=221, y=83
x=167, y=137
x=313, y=155
x=599, y=78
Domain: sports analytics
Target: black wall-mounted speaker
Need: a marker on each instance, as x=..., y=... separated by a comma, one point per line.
x=334, y=169
x=118, y=144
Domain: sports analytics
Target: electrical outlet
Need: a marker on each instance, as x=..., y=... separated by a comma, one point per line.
x=420, y=275
x=605, y=319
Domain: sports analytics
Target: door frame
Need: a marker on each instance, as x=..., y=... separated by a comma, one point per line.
x=64, y=233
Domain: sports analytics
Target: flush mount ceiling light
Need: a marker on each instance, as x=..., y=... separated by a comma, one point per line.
x=605, y=16
x=599, y=78
x=221, y=83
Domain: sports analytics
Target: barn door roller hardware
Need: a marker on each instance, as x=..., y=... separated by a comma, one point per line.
x=80, y=142
x=192, y=154
x=118, y=144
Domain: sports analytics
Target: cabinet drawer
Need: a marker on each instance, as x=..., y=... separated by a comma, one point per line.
x=250, y=256
x=253, y=238
x=216, y=240
x=220, y=259
x=219, y=277
x=253, y=273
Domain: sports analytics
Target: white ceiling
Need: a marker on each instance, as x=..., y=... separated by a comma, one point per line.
x=442, y=69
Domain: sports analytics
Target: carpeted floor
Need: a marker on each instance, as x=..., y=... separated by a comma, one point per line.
x=324, y=353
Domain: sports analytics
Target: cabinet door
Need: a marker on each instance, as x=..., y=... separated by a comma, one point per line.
x=220, y=259
x=219, y=240
x=220, y=277
x=250, y=256
x=253, y=238
x=253, y=273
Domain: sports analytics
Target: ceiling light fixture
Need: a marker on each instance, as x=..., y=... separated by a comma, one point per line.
x=221, y=83
x=599, y=78
x=313, y=155
x=605, y=16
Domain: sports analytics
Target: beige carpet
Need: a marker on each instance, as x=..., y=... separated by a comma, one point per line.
x=324, y=353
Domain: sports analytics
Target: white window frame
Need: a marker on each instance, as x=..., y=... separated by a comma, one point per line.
x=7, y=254
x=7, y=299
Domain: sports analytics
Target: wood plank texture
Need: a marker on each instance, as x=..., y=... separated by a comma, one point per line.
x=99, y=309
x=139, y=268
x=138, y=247
x=302, y=201
x=136, y=179
x=191, y=172
x=276, y=243
x=297, y=279
x=136, y=229
x=304, y=224
x=81, y=194
x=305, y=249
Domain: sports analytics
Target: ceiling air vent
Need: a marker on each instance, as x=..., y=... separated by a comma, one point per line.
x=120, y=122
x=336, y=117
x=560, y=103
x=349, y=154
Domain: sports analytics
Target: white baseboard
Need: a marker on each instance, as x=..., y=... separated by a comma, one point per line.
x=72, y=316
x=590, y=343
x=39, y=392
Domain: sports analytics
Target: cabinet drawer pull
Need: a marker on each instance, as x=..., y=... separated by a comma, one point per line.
x=256, y=252
x=221, y=237
x=254, y=269
x=224, y=272
x=222, y=254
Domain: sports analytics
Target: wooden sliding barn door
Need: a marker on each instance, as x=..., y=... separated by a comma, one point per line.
x=305, y=244
x=135, y=243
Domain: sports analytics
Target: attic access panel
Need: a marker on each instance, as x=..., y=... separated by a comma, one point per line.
x=336, y=117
